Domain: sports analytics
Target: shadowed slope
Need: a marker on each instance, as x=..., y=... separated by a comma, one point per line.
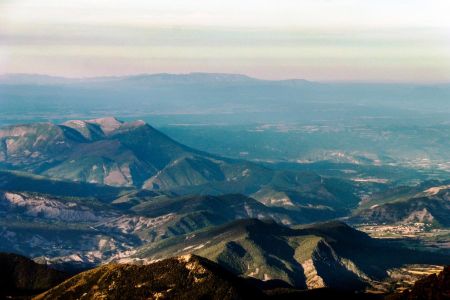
x=21, y=276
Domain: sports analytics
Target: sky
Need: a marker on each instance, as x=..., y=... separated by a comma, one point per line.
x=321, y=40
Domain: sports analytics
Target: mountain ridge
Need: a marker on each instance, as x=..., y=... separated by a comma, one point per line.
x=107, y=151
x=430, y=207
x=183, y=277
x=329, y=254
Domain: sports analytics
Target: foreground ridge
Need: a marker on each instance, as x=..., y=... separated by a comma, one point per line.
x=183, y=277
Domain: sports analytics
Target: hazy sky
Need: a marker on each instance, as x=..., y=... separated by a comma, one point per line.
x=369, y=40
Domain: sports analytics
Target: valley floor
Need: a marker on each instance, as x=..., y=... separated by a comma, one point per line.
x=414, y=235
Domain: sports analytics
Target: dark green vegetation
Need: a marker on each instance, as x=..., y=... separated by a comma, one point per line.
x=20, y=276
x=321, y=255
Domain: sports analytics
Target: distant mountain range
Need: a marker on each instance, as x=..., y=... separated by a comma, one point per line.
x=210, y=93
x=271, y=120
x=133, y=154
x=159, y=78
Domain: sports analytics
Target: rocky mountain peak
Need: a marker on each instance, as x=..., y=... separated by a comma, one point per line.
x=107, y=124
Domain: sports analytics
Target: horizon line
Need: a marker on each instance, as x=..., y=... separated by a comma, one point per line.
x=129, y=75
